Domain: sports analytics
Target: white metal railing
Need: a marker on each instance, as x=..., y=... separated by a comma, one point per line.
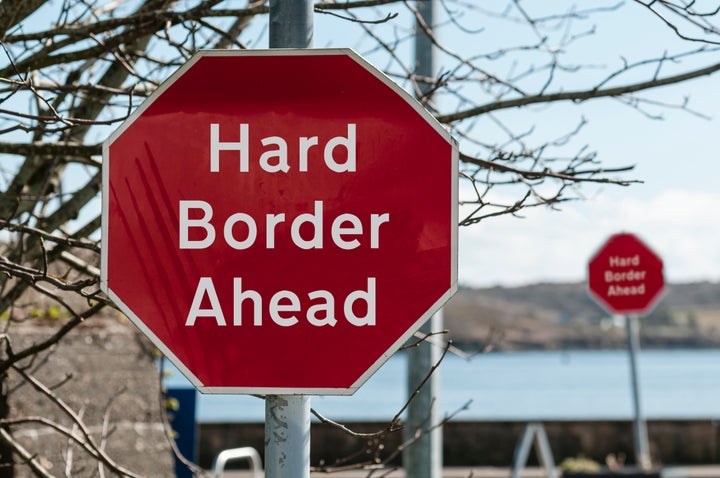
x=245, y=453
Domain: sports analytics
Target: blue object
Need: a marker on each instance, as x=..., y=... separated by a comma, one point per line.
x=181, y=410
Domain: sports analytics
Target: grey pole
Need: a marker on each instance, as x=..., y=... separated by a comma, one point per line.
x=423, y=458
x=424, y=51
x=287, y=436
x=640, y=435
x=291, y=24
x=287, y=417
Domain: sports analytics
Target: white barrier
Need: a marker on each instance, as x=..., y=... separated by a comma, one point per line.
x=244, y=453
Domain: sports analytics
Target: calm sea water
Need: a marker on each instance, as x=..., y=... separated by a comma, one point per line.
x=523, y=386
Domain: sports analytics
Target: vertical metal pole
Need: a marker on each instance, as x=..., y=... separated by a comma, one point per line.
x=423, y=458
x=287, y=417
x=287, y=436
x=642, y=455
x=291, y=24
x=424, y=51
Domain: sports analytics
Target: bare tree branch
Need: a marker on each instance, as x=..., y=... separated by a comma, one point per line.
x=87, y=437
x=577, y=96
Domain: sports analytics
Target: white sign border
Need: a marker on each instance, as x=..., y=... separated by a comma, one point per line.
x=410, y=100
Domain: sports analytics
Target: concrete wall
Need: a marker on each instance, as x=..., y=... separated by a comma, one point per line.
x=492, y=443
x=105, y=372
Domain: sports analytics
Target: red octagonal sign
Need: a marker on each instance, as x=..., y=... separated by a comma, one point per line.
x=279, y=221
x=625, y=276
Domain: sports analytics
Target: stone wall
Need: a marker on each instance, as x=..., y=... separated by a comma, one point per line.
x=104, y=371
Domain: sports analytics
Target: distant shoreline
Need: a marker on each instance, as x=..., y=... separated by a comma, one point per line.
x=563, y=316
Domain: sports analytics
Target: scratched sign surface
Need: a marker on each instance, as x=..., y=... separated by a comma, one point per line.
x=279, y=221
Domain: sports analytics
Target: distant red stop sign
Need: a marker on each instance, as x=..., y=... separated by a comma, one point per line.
x=279, y=221
x=625, y=276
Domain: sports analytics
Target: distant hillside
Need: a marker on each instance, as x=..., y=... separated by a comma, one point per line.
x=557, y=316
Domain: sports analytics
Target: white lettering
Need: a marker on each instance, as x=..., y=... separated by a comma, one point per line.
x=327, y=308
x=625, y=276
x=203, y=223
x=376, y=220
x=285, y=308
x=280, y=153
x=240, y=146
x=204, y=288
x=617, y=261
x=350, y=145
x=314, y=220
x=338, y=231
x=292, y=304
x=276, y=156
x=619, y=291
x=272, y=221
x=365, y=296
x=305, y=144
x=240, y=230
x=240, y=296
x=251, y=231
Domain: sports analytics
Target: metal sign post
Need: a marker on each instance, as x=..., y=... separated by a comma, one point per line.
x=287, y=417
x=287, y=436
x=423, y=456
x=640, y=434
x=626, y=277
